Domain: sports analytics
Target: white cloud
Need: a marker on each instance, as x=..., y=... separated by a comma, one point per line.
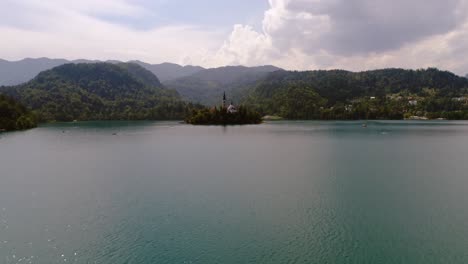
x=245, y=46
x=356, y=35
x=295, y=34
x=71, y=31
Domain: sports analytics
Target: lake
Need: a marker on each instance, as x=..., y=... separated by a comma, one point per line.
x=282, y=192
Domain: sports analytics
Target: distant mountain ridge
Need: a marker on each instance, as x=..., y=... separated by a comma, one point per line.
x=22, y=71
x=18, y=72
x=207, y=86
x=169, y=71
x=194, y=83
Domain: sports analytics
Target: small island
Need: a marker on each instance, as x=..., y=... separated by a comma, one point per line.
x=224, y=115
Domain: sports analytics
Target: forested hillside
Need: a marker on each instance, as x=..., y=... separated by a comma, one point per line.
x=379, y=94
x=207, y=86
x=97, y=92
x=127, y=91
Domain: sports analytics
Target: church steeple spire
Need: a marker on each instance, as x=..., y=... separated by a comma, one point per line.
x=224, y=100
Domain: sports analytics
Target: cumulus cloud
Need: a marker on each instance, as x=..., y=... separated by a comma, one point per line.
x=358, y=34
x=246, y=46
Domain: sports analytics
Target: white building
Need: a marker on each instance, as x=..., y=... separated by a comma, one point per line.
x=231, y=109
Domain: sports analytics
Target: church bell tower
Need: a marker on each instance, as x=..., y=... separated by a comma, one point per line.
x=224, y=100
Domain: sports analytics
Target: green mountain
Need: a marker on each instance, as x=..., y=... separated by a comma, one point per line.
x=127, y=91
x=207, y=86
x=338, y=94
x=15, y=116
x=98, y=91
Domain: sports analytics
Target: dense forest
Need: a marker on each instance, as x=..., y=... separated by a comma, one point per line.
x=220, y=116
x=379, y=94
x=15, y=116
x=99, y=91
x=127, y=91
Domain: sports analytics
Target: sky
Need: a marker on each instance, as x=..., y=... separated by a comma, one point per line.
x=293, y=34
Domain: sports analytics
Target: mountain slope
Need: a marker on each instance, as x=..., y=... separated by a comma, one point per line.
x=141, y=74
x=98, y=91
x=339, y=94
x=207, y=86
x=169, y=71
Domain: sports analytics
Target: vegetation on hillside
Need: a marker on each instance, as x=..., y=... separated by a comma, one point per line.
x=379, y=94
x=99, y=91
x=127, y=91
x=14, y=116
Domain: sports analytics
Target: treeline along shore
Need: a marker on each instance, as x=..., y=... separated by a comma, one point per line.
x=129, y=91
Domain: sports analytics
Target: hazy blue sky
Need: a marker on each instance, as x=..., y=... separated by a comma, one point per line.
x=209, y=13
x=293, y=34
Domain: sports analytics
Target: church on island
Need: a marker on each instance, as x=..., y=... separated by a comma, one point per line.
x=231, y=109
x=223, y=115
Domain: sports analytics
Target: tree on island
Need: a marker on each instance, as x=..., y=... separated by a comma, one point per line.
x=224, y=115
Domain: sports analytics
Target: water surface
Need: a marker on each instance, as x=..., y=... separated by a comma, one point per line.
x=283, y=192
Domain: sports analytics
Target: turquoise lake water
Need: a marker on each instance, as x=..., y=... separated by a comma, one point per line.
x=283, y=192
